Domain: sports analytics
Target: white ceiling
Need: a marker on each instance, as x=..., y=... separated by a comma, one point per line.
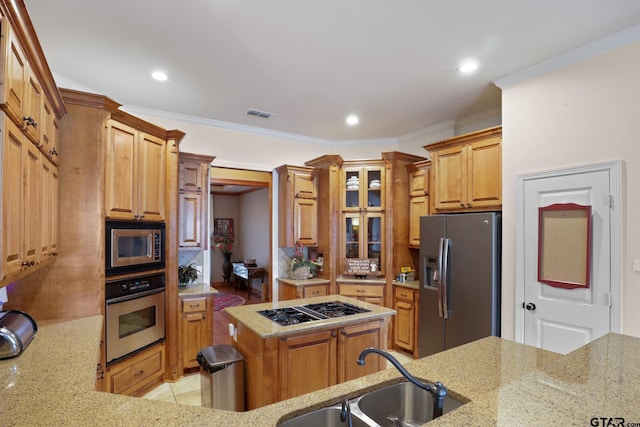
x=311, y=63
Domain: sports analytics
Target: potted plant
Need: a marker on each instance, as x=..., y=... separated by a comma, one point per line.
x=301, y=267
x=186, y=275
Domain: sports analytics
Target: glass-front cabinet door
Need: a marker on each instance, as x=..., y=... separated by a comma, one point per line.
x=363, y=212
x=363, y=188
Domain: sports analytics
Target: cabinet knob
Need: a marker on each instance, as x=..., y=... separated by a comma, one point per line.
x=29, y=121
x=462, y=205
x=53, y=152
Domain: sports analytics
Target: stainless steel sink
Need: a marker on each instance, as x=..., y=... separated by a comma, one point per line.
x=398, y=405
x=404, y=401
x=325, y=417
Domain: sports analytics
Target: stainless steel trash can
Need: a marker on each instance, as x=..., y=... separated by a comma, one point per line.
x=221, y=377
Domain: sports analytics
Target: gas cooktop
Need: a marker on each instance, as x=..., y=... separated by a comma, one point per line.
x=310, y=312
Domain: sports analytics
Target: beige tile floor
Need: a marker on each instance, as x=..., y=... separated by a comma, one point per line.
x=186, y=391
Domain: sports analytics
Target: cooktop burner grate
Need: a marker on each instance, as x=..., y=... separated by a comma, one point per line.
x=305, y=313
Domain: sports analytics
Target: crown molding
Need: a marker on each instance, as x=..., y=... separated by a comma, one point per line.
x=605, y=44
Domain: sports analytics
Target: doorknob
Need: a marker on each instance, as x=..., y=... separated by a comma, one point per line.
x=530, y=306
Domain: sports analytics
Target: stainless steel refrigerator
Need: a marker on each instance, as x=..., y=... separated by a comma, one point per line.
x=459, y=280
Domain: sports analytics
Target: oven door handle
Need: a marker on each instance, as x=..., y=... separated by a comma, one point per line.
x=134, y=296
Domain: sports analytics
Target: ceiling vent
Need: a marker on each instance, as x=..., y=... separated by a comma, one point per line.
x=258, y=113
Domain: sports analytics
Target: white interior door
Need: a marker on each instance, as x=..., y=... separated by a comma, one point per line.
x=557, y=319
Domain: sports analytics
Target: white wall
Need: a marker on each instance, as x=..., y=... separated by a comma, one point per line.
x=223, y=206
x=584, y=113
x=253, y=230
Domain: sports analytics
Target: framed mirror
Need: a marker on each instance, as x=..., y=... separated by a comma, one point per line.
x=564, y=245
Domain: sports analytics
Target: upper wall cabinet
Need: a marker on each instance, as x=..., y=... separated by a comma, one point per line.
x=297, y=206
x=135, y=174
x=31, y=107
x=193, y=212
x=419, y=179
x=467, y=172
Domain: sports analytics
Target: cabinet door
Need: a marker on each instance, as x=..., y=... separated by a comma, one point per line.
x=372, y=189
x=151, y=177
x=15, y=76
x=304, y=186
x=190, y=176
x=450, y=167
x=373, y=238
x=193, y=335
x=50, y=132
x=33, y=201
x=307, y=363
x=352, y=340
x=306, y=221
x=121, y=191
x=190, y=221
x=484, y=173
x=46, y=207
x=13, y=220
x=32, y=115
x=419, y=183
x=418, y=206
x=404, y=321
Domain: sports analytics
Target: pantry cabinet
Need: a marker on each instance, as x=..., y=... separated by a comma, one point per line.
x=405, y=322
x=197, y=328
x=135, y=174
x=193, y=194
x=28, y=178
x=297, y=206
x=467, y=172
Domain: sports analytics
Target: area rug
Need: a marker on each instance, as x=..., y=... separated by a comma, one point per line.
x=222, y=301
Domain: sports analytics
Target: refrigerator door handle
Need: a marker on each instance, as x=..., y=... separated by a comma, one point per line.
x=445, y=277
x=439, y=278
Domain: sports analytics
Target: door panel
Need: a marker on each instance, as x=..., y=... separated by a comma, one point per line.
x=562, y=320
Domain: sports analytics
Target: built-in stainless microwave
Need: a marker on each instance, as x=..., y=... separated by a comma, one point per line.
x=134, y=246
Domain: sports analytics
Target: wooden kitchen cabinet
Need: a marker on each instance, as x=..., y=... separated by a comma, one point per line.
x=331, y=353
x=193, y=195
x=15, y=72
x=467, y=172
x=405, y=303
x=363, y=219
x=21, y=201
x=49, y=183
x=308, y=362
x=372, y=291
x=135, y=174
x=287, y=291
x=419, y=179
x=297, y=206
x=197, y=329
x=137, y=374
x=279, y=368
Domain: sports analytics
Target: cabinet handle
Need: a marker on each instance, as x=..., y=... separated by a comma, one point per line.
x=468, y=205
x=333, y=334
x=53, y=152
x=29, y=121
x=343, y=332
x=140, y=372
x=360, y=291
x=462, y=205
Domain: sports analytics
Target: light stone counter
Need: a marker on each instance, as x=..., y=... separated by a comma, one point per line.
x=305, y=282
x=414, y=284
x=265, y=328
x=508, y=384
x=196, y=290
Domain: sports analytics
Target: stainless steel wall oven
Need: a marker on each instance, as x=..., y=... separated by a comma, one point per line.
x=134, y=315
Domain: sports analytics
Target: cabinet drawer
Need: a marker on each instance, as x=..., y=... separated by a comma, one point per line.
x=137, y=373
x=403, y=293
x=361, y=290
x=315, y=291
x=194, y=305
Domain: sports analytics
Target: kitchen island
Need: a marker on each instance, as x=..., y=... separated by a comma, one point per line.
x=300, y=346
x=507, y=383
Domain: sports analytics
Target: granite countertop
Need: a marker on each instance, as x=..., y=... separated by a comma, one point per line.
x=196, y=290
x=265, y=328
x=368, y=280
x=414, y=284
x=506, y=383
x=306, y=282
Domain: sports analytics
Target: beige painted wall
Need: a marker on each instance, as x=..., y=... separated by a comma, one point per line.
x=584, y=113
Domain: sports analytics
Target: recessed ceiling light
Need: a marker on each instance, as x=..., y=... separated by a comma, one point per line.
x=159, y=75
x=352, y=120
x=468, y=66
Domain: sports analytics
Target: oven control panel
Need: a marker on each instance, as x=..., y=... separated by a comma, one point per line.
x=133, y=285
